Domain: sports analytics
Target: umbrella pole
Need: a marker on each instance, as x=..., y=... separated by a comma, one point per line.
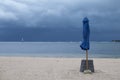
x=86, y=59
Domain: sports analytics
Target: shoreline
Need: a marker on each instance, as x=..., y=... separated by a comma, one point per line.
x=21, y=56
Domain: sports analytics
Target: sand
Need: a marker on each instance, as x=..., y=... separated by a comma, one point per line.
x=35, y=68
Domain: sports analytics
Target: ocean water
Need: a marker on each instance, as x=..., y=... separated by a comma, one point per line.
x=59, y=49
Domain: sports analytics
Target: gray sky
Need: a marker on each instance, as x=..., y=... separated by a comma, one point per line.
x=58, y=20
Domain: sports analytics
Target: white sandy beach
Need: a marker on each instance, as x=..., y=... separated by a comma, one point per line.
x=35, y=68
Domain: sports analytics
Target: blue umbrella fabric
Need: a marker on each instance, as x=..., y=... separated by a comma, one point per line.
x=86, y=33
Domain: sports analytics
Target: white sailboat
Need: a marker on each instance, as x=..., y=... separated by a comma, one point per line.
x=22, y=39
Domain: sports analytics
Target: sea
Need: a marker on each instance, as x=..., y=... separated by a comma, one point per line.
x=60, y=49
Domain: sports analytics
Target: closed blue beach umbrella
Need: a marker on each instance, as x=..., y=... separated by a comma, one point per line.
x=85, y=43
x=86, y=34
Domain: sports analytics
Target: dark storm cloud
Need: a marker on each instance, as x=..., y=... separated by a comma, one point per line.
x=56, y=15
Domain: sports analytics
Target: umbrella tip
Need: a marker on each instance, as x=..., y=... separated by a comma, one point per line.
x=85, y=19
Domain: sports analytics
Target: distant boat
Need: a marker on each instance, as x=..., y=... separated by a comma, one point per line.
x=115, y=40
x=22, y=39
